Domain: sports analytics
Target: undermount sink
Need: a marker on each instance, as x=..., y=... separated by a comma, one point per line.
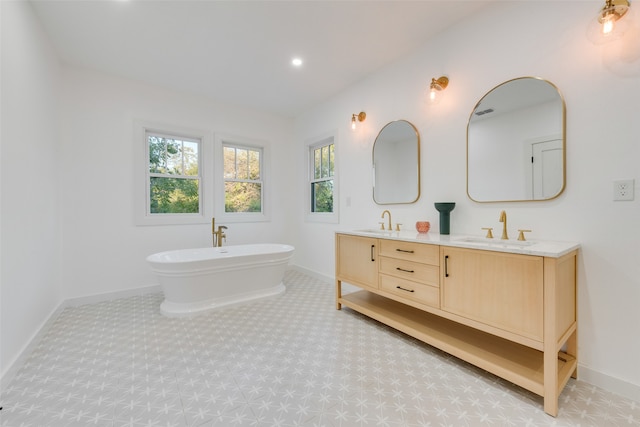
x=495, y=242
x=375, y=231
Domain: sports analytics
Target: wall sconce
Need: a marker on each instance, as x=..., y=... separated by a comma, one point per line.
x=436, y=87
x=608, y=25
x=357, y=118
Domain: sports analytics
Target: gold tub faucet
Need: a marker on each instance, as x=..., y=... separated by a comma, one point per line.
x=217, y=235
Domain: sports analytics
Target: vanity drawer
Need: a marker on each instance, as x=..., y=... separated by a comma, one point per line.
x=418, y=292
x=414, y=271
x=418, y=252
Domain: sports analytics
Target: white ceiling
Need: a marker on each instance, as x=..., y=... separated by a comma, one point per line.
x=239, y=51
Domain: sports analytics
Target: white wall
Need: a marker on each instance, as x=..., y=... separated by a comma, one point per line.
x=103, y=251
x=30, y=229
x=603, y=144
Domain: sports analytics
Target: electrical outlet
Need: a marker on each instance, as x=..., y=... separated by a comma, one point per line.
x=623, y=189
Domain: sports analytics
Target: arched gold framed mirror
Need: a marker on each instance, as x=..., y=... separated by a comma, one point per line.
x=396, y=164
x=516, y=143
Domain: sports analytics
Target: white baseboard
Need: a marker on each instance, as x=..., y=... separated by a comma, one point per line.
x=108, y=296
x=312, y=273
x=609, y=383
x=346, y=287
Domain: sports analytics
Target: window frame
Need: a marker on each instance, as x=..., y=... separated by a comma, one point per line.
x=312, y=145
x=222, y=141
x=143, y=215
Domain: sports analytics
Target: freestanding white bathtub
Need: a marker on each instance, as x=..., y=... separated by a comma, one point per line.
x=195, y=280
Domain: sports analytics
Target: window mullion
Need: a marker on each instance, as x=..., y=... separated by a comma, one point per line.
x=182, y=164
x=248, y=164
x=235, y=161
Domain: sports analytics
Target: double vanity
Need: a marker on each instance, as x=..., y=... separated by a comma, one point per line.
x=508, y=307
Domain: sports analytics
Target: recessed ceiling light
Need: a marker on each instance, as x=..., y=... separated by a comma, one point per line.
x=297, y=62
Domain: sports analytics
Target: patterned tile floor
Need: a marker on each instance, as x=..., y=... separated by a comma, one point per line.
x=292, y=360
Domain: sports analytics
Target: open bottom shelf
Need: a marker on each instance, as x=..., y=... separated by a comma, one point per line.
x=514, y=362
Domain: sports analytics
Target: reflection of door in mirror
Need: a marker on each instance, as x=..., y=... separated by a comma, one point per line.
x=510, y=126
x=546, y=168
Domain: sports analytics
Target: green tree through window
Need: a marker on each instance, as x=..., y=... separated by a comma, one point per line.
x=174, y=174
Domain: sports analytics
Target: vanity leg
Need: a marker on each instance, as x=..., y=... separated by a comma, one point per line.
x=572, y=350
x=338, y=294
x=549, y=347
x=551, y=383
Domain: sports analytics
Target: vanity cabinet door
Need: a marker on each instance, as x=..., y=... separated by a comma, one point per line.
x=357, y=260
x=498, y=289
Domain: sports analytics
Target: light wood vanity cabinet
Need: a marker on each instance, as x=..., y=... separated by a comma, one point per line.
x=513, y=315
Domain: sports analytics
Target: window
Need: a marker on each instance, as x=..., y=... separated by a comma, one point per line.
x=322, y=179
x=181, y=174
x=322, y=171
x=242, y=179
x=174, y=174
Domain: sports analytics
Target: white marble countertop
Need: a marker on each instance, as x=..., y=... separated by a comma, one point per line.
x=547, y=248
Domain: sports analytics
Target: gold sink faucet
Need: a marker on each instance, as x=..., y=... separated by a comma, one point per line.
x=503, y=219
x=386, y=211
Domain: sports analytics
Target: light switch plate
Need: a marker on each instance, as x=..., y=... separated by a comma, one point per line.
x=623, y=189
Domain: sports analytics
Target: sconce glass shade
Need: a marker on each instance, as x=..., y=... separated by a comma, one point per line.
x=433, y=95
x=357, y=118
x=436, y=87
x=611, y=22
